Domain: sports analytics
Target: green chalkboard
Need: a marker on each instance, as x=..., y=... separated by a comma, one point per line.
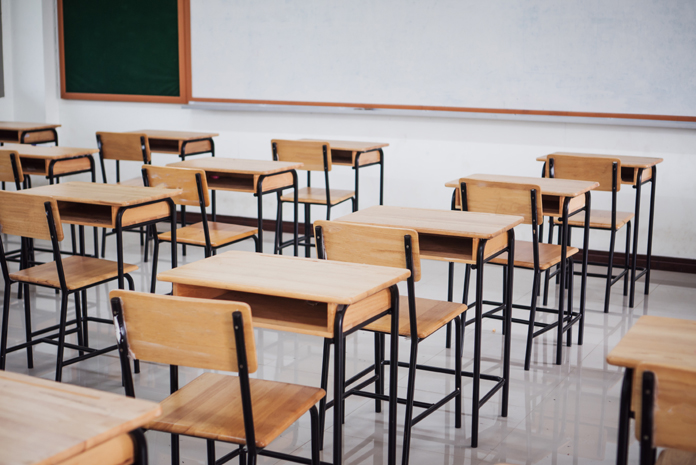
x=128, y=47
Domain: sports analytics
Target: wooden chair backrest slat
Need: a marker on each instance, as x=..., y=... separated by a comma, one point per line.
x=24, y=215
x=179, y=178
x=504, y=198
x=309, y=153
x=597, y=169
x=185, y=331
x=674, y=413
x=7, y=173
x=371, y=245
x=123, y=146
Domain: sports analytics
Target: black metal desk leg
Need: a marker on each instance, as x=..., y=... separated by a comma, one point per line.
x=339, y=381
x=296, y=207
x=356, y=167
x=650, y=229
x=564, y=231
x=480, y=256
x=585, y=255
x=259, y=211
x=636, y=229
x=381, y=177
x=508, y=321
x=393, y=375
x=624, y=418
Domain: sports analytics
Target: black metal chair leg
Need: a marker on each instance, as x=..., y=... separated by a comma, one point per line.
x=307, y=231
x=532, y=317
x=379, y=383
x=155, y=261
x=27, y=326
x=78, y=322
x=610, y=265
x=627, y=259
x=103, y=245
x=314, y=419
x=458, y=372
x=5, y=324
x=410, y=393
x=324, y=385
x=210, y=450
x=61, y=333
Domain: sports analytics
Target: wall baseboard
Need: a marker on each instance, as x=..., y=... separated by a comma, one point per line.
x=680, y=265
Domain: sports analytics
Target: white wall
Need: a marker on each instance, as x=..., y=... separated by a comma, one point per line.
x=423, y=153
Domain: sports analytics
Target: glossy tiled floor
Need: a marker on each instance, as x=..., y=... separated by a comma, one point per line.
x=558, y=414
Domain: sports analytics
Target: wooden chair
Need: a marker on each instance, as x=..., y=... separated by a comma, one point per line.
x=664, y=400
x=315, y=156
x=208, y=234
x=212, y=335
x=122, y=146
x=607, y=172
x=418, y=318
x=11, y=172
x=521, y=200
x=37, y=217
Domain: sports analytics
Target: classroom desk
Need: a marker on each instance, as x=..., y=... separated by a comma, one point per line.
x=44, y=422
x=559, y=198
x=53, y=162
x=28, y=133
x=358, y=155
x=474, y=238
x=181, y=143
x=635, y=171
x=307, y=296
x=257, y=177
x=652, y=339
x=112, y=206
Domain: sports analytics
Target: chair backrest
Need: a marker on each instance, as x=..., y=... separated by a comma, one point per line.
x=11, y=167
x=372, y=245
x=315, y=155
x=24, y=215
x=179, y=178
x=582, y=168
x=673, y=399
x=123, y=146
x=197, y=333
x=502, y=198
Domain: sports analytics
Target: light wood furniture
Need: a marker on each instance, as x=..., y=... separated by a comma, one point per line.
x=464, y=237
x=181, y=143
x=314, y=156
x=210, y=235
x=53, y=162
x=216, y=335
x=358, y=155
x=418, y=318
x=258, y=177
x=562, y=198
x=316, y=297
x=606, y=171
x=84, y=425
x=654, y=340
x=635, y=171
x=524, y=200
x=28, y=133
x=112, y=206
x=38, y=217
x=665, y=400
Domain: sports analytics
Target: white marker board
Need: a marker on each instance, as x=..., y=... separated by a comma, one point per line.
x=598, y=56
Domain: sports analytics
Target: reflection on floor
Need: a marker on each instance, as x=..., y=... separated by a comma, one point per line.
x=558, y=414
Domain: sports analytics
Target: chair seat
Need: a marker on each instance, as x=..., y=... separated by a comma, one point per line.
x=318, y=195
x=137, y=182
x=549, y=255
x=676, y=457
x=210, y=407
x=220, y=234
x=432, y=315
x=600, y=219
x=79, y=272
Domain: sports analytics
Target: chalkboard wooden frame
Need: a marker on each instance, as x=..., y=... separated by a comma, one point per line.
x=183, y=15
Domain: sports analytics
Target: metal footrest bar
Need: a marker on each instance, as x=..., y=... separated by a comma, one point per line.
x=450, y=371
x=290, y=458
x=359, y=375
x=229, y=456
x=89, y=355
x=643, y=271
x=491, y=392
x=384, y=397
x=48, y=339
x=434, y=407
x=100, y=320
